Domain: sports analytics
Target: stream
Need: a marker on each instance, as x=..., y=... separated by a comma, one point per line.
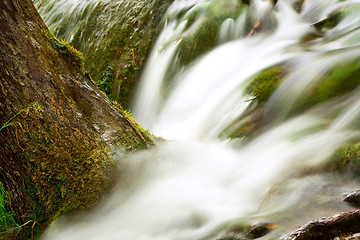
x=199, y=180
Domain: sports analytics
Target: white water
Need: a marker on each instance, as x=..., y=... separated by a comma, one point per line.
x=189, y=187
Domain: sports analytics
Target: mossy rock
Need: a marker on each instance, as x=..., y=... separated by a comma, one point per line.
x=211, y=16
x=114, y=36
x=337, y=81
x=335, y=17
x=331, y=20
x=260, y=89
x=266, y=82
x=347, y=158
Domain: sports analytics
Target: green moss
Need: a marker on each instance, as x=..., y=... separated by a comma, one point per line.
x=116, y=37
x=106, y=80
x=74, y=56
x=341, y=79
x=265, y=83
x=205, y=38
x=202, y=41
x=67, y=170
x=64, y=173
x=34, y=107
x=347, y=158
x=334, y=18
x=8, y=225
x=260, y=88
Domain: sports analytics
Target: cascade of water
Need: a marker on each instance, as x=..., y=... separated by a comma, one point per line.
x=148, y=105
x=208, y=96
x=189, y=189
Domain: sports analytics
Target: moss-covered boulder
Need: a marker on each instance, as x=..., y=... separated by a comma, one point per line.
x=60, y=137
x=115, y=37
x=259, y=90
x=265, y=83
x=336, y=81
x=203, y=23
x=346, y=159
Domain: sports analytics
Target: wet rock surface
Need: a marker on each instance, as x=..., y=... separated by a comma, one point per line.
x=353, y=198
x=340, y=225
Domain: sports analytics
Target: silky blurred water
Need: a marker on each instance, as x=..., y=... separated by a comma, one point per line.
x=194, y=183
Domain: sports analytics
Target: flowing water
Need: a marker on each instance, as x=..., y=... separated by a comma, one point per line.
x=199, y=180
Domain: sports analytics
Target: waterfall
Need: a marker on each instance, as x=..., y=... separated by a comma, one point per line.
x=201, y=179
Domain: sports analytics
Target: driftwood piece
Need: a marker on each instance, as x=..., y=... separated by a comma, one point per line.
x=342, y=224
